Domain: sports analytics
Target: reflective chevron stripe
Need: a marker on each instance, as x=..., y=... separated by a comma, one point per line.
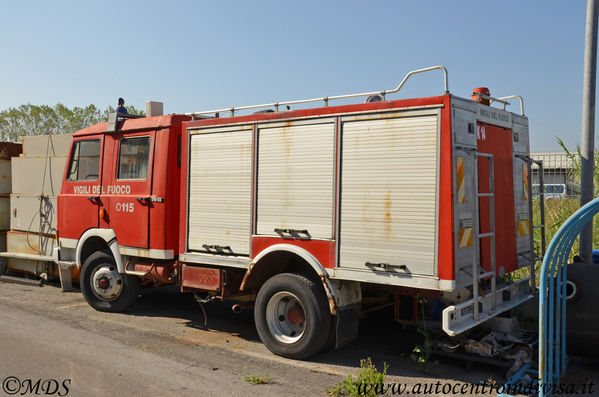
x=465, y=237
x=523, y=228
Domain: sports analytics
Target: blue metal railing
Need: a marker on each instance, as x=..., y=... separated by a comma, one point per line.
x=552, y=299
x=552, y=305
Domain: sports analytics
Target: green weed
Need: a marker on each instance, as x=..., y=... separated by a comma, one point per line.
x=421, y=354
x=369, y=382
x=254, y=379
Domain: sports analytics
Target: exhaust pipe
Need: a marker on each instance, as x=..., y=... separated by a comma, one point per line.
x=238, y=308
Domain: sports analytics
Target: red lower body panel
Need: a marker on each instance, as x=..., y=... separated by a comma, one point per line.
x=322, y=250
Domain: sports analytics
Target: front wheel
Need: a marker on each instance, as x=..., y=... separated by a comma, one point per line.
x=292, y=316
x=103, y=287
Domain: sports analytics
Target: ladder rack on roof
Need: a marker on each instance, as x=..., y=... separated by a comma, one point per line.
x=383, y=94
x=326, y=99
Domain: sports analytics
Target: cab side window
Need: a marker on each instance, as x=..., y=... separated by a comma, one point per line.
x=84, y=164
x=134, y=158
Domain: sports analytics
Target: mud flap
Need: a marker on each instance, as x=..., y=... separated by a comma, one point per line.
x=64, y=272
x=348, y=321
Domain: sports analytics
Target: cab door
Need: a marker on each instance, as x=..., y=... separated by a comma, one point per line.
x=127, y=186
x=79, y=200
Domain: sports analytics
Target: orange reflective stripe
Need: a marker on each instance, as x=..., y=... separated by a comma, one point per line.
x=465, y=237
x=523, y=228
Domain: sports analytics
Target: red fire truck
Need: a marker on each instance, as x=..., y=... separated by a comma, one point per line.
x=302, y=213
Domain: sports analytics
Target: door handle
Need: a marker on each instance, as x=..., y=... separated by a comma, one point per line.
x=299, y=234
x=385, y=266
x=94, y=199
x=220, y=249
x=143, y=200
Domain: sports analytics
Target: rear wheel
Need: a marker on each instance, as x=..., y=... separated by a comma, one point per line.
x=292, y=316
x=103, y=287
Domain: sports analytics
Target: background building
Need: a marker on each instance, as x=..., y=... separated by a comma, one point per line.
x=558, y=169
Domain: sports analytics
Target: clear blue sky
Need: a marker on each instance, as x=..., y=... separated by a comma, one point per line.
x=204, y=55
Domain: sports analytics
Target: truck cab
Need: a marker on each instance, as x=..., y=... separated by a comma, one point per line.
x=121, y=184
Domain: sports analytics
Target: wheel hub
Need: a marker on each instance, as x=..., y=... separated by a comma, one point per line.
x=285, y=317
x=103, y=283
x=107, y=283
x=295, y=316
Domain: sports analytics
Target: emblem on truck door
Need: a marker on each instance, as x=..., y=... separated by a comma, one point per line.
x=97, y=189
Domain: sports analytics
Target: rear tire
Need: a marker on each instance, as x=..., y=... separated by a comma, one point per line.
x=292, y=316
x=103, y=287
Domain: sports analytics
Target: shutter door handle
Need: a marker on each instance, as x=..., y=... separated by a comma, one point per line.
x=218, y=249
x=299, y=234
x=385, y=266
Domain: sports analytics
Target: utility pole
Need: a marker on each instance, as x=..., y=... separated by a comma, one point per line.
x=588, y=126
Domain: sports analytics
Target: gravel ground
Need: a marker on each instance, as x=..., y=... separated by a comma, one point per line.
x=159, y=347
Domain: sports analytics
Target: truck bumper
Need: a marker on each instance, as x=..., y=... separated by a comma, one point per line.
x=459, y=318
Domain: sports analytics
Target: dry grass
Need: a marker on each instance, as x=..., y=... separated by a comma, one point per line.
x=557, y=211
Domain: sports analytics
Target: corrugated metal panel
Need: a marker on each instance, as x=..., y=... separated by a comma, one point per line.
x=296, y=179
x=551, y=160
x=389, y=193
x=220, y=190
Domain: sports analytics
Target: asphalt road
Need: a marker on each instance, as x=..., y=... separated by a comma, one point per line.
x=160, y=348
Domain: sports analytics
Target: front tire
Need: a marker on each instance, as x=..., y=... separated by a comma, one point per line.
x=103, y=287
x=292, y=316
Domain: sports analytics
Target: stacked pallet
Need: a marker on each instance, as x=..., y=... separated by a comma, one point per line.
x=36, y=181
x=7, y=151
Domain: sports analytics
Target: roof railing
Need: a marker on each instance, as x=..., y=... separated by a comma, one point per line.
x=514, y=97
x=327, y=99
x=502, y=100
